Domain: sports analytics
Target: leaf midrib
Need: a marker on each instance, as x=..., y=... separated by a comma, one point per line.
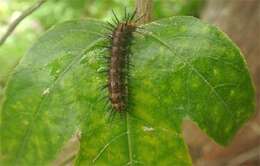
x=129, y=141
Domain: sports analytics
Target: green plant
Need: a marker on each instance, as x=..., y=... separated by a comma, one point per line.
x=183, y=68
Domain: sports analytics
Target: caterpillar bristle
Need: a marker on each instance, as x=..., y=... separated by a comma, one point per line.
x=108, y=47
x=111, y=26
x=103, y=71
x=104, y=86
x=125, y=14
x=115, y=16
x=108, y=27
x=102, y=98
x=101, y=46
x=111, y=115
x=133, y=15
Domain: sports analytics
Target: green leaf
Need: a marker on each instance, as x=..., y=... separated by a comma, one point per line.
x=183, y=68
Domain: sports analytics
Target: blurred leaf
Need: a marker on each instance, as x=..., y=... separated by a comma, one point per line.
x=177, y=7
x=182, y=68
x=56, y=11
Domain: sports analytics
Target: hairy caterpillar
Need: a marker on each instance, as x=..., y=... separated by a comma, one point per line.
x=118, y=61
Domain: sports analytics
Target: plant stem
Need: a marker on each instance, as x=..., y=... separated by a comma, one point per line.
x=144, y=10
x=24, y=14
